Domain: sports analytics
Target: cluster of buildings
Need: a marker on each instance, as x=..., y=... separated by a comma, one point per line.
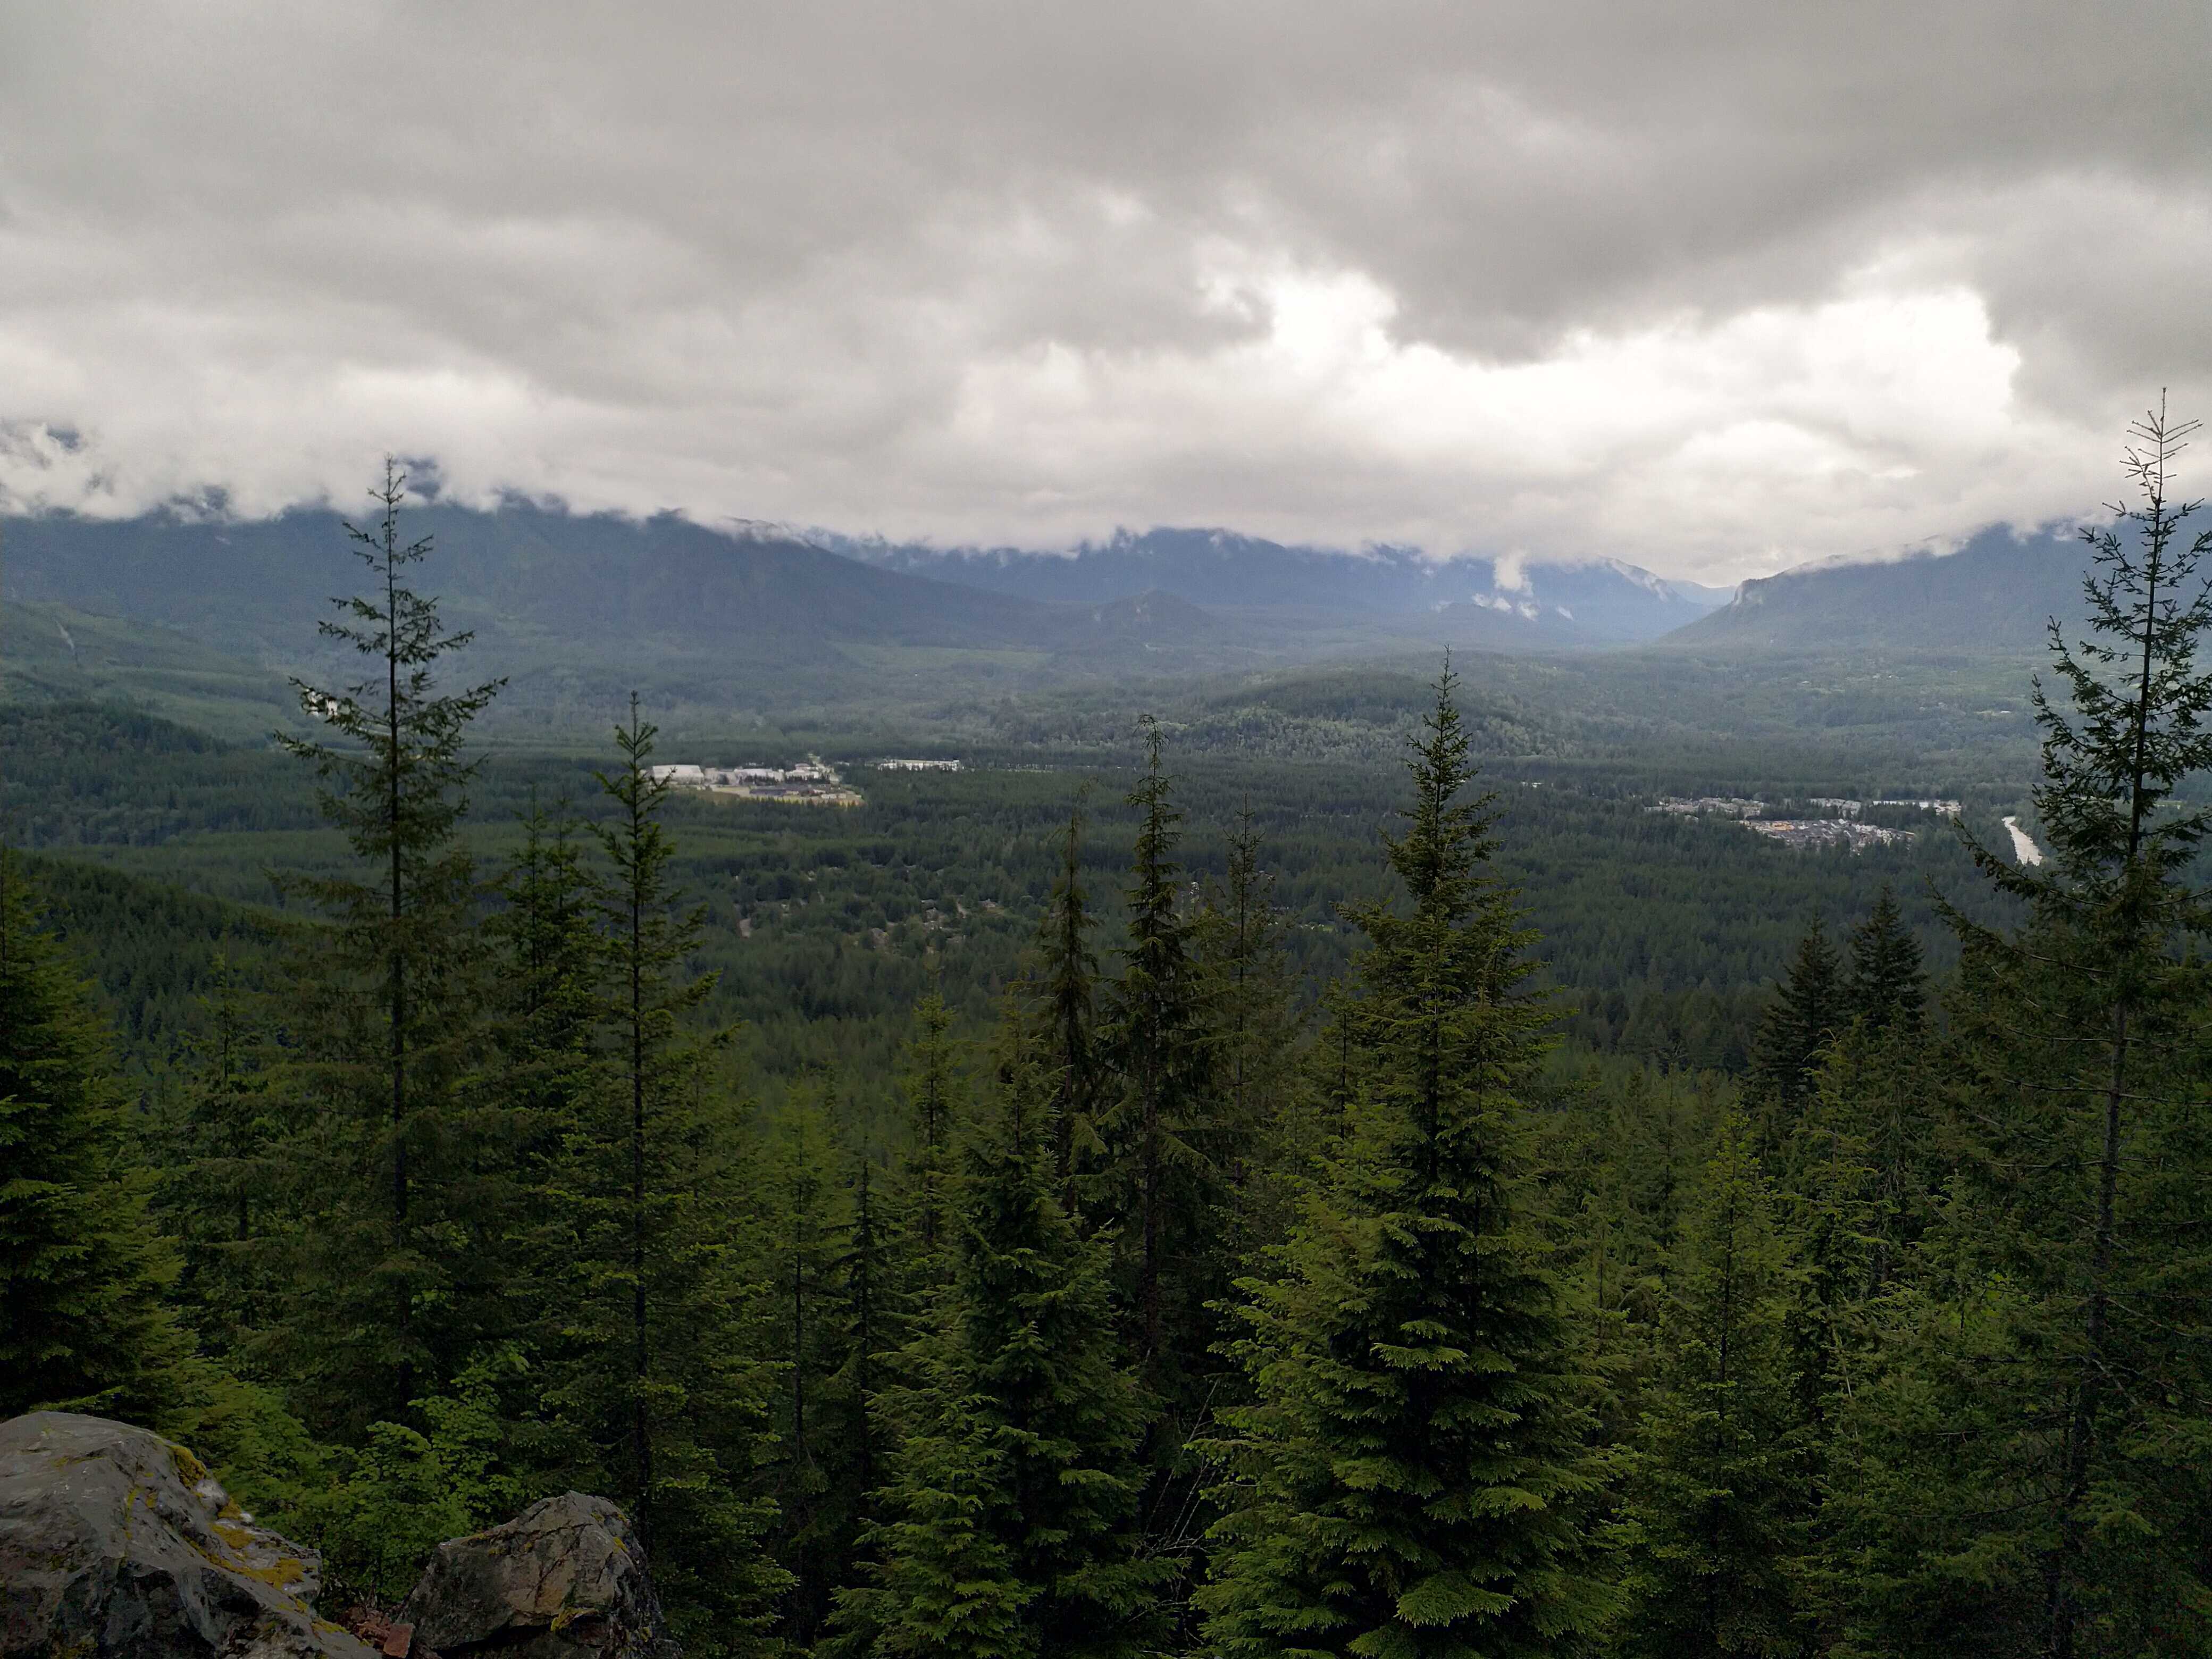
x=1827, y=832
x=1837, y=823
x=1836, y=807
x=1722, y=806
x=813, y=782
x=893, y=765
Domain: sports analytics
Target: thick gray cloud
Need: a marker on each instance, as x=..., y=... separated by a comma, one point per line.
x=1713, y=287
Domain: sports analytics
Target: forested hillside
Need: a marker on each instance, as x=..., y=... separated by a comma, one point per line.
x=1996, y=592
x=1498, y=604
x=1326, y=1166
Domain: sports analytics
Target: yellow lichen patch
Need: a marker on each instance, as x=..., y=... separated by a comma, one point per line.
x=189, y=1467
x=238, y=1537
x=284, y=1570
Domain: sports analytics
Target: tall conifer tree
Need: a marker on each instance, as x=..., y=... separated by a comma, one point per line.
x=1163, y=1128
x=1808, y=1011
x=659, y=1387
x=2078, y=1242
x=935, y=1093
x=1067, y=1012
x=1412, y=1476
x=1266, y=1127
x=392, y=1000
x=1722, y=1491
x=868, y=1318
x=224, y=1195
x=1009, y=1525
x=83, y=1323
x=805, y=1200
x=1886, y=986
x=552, y=979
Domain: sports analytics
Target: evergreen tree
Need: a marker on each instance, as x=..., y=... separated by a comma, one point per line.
x=2079, y=1244
x=1412, y=1475
x=1010, y=1524
x=1067, y=997
x=803, y=1198
x=224, y=1194
x=1620, y=1176
x=935, y=1094
x=551, y=973
x=648, y=941
x=82, y=1325
x=1877, y=1124
x=548, y=1084
x=1722, y=1491
x=1887, y=984
x=1163, y=1130
x=657, y=1390
x=1268, y=1127
x=867, y=1320
x=390, y=1000
x=1801, y=1023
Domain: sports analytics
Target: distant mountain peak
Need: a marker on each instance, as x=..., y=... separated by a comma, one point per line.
x=1995, y=591
x=1598, y=599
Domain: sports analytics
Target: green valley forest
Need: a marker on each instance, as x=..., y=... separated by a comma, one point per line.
x=1330, y=1170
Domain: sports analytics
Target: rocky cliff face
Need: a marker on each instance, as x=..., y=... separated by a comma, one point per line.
x=113, y=1541
x=565, y=1579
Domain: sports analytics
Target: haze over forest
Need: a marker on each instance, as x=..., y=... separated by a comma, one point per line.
x=859, y=831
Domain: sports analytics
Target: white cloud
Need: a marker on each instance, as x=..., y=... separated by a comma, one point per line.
x=1752, y=285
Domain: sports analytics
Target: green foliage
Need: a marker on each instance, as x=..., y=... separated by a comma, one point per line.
x=2080, y=1219
x=385, y=1507
x=1009, y=1523
x=935, y=1095
x=804, y=1471
x=1800, y=1321
x=224, y=1194
x=1066, y=997
x=82, y=1323
x=1413, y=1475
x=1721, y=1493
x=1269, y=1123
x=657, y=1383
x=1886, y=986
x=398, y=1235
x=1798, y=1027
x=1162, y=1133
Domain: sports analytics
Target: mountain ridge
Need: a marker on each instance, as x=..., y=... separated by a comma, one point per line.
x=1598, y=600
x=1995, y=592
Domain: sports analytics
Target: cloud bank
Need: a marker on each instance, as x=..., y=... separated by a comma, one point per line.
x=1713, y=288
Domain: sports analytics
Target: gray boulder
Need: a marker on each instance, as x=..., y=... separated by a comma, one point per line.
x=565, y=1579
x=113, y=1541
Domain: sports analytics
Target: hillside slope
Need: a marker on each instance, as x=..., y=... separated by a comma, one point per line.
x=1995, y=594
x=53, y=654
x=1530, y=603
x=261, y=586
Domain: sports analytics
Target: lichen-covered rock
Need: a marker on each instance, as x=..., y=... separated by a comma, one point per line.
x=113, y=1541
x=564, y=1579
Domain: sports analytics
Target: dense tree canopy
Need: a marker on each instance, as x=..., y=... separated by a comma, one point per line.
x=968, y=1224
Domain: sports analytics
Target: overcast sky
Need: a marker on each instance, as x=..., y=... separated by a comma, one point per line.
x=1713, y=288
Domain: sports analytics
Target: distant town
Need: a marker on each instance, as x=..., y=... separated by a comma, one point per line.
x=812, y=783
x=1836, y=822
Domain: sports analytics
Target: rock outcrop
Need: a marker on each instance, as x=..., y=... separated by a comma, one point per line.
x=116, y=1541
x=565, y=1579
